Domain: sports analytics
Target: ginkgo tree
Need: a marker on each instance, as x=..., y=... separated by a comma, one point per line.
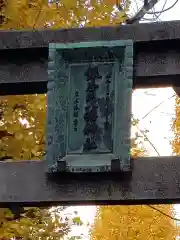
x=35, y=14
x=22, y=127
x=134, y=223
x=176, y=128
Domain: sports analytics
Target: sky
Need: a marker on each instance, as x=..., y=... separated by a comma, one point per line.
x=172, y=14
x=158, y=122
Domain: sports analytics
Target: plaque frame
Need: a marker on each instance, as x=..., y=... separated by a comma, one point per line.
x=61, y=55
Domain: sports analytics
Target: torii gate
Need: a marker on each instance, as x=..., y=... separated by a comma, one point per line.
x=23, y=68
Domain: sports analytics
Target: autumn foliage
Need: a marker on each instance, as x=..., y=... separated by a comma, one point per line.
x=176, y=128
x=24, y=14
x=22, y=127
x=133, y=223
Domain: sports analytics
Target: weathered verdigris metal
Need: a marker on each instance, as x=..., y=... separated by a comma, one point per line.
x=89, y=106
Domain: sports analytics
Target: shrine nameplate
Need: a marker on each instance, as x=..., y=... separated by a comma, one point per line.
x=89, y=106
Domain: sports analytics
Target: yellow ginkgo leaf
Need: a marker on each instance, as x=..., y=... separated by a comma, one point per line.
x=19, y=135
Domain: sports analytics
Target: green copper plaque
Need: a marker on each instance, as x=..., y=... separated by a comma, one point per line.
x=89, y=106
